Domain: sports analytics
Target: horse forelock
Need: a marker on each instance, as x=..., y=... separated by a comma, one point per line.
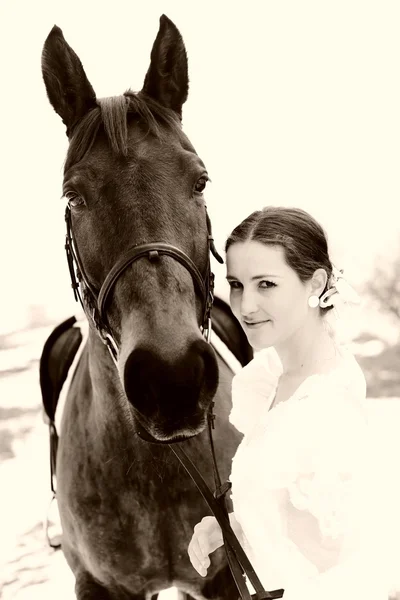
x=111, y=114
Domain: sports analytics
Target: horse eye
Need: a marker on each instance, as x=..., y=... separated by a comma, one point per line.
x=74, y=200
x=201, y=184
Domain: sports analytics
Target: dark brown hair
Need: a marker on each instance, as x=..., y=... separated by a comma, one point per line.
x=301, y=236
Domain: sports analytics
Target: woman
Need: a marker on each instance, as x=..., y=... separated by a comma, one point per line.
x=302, y=495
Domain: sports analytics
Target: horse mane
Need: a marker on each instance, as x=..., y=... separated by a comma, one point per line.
x=112, y=115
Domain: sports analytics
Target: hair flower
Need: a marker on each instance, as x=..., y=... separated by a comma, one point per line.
x=339, y=291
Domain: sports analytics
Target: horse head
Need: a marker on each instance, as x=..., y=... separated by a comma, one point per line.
x=134, y=185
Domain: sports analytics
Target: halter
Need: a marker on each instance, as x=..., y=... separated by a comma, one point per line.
x=95, y=304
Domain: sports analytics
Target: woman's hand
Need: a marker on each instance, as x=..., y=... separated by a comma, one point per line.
x=207, y=537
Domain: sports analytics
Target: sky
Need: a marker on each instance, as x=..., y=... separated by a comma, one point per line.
x=293, y=103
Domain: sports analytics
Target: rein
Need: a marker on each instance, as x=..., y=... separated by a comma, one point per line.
x=237, y=558
x=95, y=306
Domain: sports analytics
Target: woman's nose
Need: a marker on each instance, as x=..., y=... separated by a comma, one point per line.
x=248, y=304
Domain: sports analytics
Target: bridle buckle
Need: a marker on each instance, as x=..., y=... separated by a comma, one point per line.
x=109, y=341
x=207, y=330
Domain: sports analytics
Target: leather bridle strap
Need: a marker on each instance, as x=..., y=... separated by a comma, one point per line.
x=220, y=495
x=95, y=304
x=227, y=531
x=152, y=251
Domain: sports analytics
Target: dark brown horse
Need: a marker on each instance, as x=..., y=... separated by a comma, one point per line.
x=132, y=178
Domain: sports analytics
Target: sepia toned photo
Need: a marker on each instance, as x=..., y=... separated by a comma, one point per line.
x=200, y=300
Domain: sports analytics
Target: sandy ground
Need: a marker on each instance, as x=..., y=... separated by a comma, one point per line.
x=29, y=569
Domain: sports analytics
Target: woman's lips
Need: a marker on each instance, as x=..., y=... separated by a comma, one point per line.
x=256, y=324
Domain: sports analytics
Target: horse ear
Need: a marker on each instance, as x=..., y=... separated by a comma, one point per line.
x=67, y=86
x=167, y=79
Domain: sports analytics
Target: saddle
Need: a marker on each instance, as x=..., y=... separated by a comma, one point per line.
x=228, y=329
x=57, y=357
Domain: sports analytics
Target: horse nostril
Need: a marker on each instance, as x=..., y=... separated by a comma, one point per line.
x=172, y=394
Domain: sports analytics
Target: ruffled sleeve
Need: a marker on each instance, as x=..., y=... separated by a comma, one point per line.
x=253, y=389
x=331, y=450
x=332, y=488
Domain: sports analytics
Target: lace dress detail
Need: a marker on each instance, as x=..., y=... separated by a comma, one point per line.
x=300, y=482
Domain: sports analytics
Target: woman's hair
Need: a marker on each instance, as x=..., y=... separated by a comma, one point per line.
x=302, y=237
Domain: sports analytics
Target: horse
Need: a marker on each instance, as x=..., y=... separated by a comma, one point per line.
x=138, y=245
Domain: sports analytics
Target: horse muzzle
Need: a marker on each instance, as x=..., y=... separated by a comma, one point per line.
x=171, y=396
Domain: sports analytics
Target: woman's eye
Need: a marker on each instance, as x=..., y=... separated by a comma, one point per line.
x=74, y=200
x=201, y=184
x=234, y=285
x=264, y=284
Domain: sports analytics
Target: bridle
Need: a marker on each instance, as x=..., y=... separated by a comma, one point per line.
x=95, y=303
x=95, y=306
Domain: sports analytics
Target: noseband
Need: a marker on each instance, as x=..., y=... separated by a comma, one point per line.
x=95, y=304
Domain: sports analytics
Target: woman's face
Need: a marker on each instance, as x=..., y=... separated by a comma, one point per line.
x=267, y=296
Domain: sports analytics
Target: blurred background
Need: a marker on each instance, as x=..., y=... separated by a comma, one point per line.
x=291, y=103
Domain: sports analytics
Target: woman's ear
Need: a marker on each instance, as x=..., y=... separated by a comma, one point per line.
x=318, y=282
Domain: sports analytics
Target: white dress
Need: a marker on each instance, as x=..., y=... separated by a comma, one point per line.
x=301, y=487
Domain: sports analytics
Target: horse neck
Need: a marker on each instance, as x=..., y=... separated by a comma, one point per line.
x=109, y=402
